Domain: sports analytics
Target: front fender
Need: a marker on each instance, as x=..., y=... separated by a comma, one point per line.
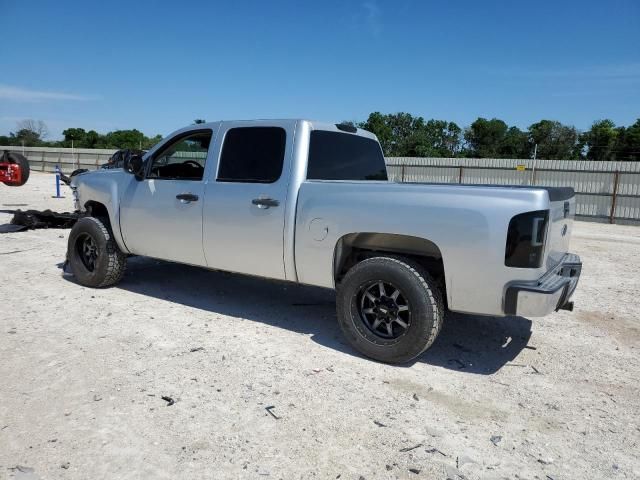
x=104, y=187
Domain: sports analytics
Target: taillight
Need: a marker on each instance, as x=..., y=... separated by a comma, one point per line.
x=525, y=239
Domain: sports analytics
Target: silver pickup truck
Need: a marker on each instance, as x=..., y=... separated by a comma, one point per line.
x=310, y=202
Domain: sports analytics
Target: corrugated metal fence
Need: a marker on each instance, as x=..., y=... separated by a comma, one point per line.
x=604, y=190
x=607, y=191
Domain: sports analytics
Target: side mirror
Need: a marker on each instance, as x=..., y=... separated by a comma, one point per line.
x=135, y=166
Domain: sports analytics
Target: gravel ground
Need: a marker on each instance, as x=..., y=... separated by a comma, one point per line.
x=84, y=372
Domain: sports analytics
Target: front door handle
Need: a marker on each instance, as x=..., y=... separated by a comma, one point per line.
x=187, y=197
x=265, y=202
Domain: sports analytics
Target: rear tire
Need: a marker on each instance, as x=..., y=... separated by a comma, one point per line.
x=389, y=309
x=94, y=257
x=14, y=157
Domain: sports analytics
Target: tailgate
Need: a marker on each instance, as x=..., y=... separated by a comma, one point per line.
x=562, y=213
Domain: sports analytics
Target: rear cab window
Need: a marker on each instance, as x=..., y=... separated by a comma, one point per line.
x=344, y=156
x=252, y=155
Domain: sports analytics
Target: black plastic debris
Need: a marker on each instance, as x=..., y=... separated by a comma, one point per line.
x=269, y=410
x=35, y=219
x=408, y=449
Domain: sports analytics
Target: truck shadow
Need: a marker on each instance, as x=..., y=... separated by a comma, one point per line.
x=467, y=343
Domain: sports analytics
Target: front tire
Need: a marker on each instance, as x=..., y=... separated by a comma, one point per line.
x=389, y=309
x=94, y=257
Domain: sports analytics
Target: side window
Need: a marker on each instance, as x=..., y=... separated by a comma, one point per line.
x=343, y=156
x=252, y=155
x=182, y=159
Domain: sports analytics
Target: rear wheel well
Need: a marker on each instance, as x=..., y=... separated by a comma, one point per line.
x=355, y=247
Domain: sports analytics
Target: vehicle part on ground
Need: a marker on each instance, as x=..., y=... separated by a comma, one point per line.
x=14, y=169
x=389, y=308
x=94, y=258
x=36, y=219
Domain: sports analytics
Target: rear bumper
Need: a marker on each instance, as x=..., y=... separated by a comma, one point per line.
x=549, y=293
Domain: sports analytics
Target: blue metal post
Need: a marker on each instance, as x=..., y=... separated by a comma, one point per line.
x=57, y=181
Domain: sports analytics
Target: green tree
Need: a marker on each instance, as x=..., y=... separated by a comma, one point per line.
x=554, y=140
x=132, y=139
x=601, y=140
x=25, y=137
x=150, y=142
x=628, y=142
x=75, y=137
x=485, y=137
x=377, y=123
x=515, y=144
x=29, y=133
x=91, y=139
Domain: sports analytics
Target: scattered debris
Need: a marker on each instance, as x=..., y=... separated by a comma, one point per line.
x=500, y=383
x=435, y=450
x=317, y=370
x=388, y=467
x=408, y=449
x=21, y=469
x=515, y=365
x=97, y=398
x=34, y=219
x=414, y=470
x=170, y=401
x=196, y=349
x=415, y=397
x=496, y=439
x=380, y=424
x=530, y=347
x=535, y=370
x=545, y=461
x=269, y=408
x=65, y=465
x=14, y=251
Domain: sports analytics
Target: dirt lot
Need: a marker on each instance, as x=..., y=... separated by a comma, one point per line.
x=83, y=373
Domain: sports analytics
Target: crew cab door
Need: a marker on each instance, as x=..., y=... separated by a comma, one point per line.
x=246, y=199
x=161, y=216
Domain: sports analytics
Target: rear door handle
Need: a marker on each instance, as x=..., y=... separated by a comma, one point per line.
x=187, y=197
x=265, y=202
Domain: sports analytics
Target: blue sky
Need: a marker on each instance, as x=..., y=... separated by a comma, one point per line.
x=156, y=66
